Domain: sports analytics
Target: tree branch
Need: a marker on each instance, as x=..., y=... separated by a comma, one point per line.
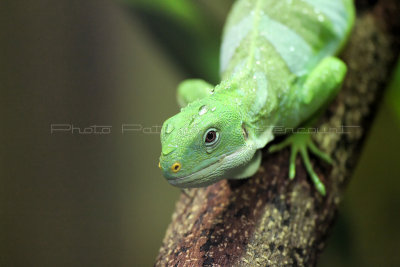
x=269, y=220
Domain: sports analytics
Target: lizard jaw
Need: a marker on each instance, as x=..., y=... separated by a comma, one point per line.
x=213, y=172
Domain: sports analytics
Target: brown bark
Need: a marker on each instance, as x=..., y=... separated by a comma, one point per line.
x=269, y=220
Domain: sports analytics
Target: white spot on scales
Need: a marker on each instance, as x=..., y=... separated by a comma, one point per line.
x=203, y=110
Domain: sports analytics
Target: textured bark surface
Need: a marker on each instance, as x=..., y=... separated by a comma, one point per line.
x=269, y=220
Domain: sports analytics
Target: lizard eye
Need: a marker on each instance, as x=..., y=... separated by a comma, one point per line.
x=211, y=137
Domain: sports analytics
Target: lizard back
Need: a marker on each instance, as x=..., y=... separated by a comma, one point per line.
x=270, y=46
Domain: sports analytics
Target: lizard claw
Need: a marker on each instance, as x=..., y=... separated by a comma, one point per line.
x=301, y=142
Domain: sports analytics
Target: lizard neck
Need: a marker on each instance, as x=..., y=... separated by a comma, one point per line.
x=257, y=105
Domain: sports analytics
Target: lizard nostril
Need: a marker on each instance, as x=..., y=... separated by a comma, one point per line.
x=176, y=167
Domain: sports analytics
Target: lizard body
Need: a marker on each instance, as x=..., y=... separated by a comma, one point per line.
x=278, y=69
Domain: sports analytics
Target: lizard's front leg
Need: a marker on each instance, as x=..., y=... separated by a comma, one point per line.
x=319, y=88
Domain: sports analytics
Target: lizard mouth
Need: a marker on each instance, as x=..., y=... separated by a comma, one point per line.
x=200, y=173
x=209, y=174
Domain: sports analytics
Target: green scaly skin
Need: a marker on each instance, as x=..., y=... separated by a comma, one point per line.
x=278, y=69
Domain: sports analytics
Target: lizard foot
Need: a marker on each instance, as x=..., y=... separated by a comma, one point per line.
x=301, y=142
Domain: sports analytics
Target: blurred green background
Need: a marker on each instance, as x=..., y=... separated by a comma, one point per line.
x=68, y=199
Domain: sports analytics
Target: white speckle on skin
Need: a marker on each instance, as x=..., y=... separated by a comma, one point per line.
x=169, y=128
x=203, y=110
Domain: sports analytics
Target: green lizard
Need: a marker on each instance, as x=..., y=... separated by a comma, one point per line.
x=278, y=70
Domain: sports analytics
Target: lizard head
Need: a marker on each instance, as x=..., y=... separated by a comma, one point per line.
x=203, y=143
